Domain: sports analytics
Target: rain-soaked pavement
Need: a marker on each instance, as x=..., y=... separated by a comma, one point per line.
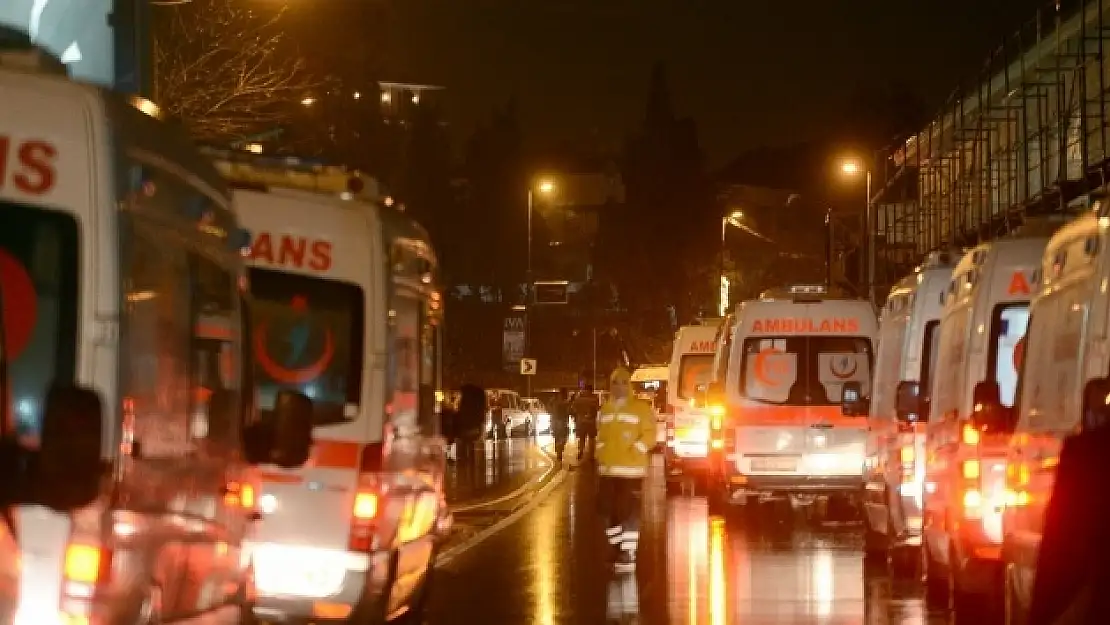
x=547, y=568
x=494, y=469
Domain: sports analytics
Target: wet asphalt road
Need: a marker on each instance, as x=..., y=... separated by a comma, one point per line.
x=547, y=569
x=493, y=469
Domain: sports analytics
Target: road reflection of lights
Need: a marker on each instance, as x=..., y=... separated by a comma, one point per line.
x=823, y=582
x=717, y=585
x=545, y=568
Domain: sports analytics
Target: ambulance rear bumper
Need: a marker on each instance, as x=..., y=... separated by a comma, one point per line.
x=810, y=484
x=360, y=593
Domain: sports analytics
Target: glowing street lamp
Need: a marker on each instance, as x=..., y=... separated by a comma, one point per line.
x=543, y=186
x=853, y=167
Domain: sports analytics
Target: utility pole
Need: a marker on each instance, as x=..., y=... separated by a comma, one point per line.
x=529, y=300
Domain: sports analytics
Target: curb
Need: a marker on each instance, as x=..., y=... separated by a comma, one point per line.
x=445, y=558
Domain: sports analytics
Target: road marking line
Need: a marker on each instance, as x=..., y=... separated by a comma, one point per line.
x=451, y=554
x=516, y=493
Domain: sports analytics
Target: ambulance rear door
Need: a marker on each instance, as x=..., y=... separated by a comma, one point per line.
x=792, y=361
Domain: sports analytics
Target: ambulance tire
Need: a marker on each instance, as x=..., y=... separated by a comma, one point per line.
x=936, y=580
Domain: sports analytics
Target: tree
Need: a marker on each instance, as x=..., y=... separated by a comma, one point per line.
x=226, y=70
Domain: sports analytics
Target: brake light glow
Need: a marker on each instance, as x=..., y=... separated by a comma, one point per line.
x=970, y=435
x=971, y=469
x=907, y=455
x=366, y=506
x=83, y=564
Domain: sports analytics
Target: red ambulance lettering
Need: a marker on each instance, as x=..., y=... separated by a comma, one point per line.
x=292, y=251
x=805, y=325
x=702, y=346
x=1019, y=284
x=28, y=166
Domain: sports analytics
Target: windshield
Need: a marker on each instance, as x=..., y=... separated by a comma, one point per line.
x=38, y=271
x=804, y=370
x=1007, y=329
x=694, y=370
x=308, y=336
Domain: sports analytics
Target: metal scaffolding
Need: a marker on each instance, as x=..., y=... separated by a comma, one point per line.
x=1027, y=138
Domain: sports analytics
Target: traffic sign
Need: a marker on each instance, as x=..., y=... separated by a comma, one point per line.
x=527, y=366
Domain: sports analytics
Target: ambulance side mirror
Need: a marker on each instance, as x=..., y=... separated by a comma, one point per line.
x=1096, y=404
x=292, y=423
x=65, y=472
x=852, y=401
x=987, y=412
x=909, y=405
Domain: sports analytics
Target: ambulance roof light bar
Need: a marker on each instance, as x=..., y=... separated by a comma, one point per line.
x=253, y=170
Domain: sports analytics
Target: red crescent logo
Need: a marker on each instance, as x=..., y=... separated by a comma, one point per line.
x=1019, y=353
x=20, y=313
x=291, y=376
x=843, y=374
x=774, y=376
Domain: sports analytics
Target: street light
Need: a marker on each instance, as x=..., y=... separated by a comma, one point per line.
x=736, y=219
x=545, y=186
x=854, y=167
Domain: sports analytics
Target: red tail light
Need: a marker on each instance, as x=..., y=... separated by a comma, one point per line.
x=368, y=501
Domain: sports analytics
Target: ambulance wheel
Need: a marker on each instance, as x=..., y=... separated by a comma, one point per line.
x=936, y=580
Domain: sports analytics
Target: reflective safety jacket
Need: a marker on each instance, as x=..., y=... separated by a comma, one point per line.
x=625, y=437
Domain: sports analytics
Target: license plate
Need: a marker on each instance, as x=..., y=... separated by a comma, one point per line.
x=775, y=464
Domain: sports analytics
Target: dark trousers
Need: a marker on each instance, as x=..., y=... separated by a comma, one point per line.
x=561, y=435
x=587, y=436
x=618, y=501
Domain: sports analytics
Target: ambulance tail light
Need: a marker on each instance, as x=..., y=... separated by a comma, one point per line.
x=86, y=568
x=970, y=435
x=716, y=426
x=367, y=504
x=364, y=517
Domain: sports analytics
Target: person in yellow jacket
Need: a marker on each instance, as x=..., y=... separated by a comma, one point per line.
x=625, y=437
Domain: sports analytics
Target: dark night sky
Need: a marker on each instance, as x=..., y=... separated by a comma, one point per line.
x=750, y=72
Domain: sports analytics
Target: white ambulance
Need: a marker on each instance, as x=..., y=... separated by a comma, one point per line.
x=687, y=432
x=123, y=281
x=986, y=309
x=649, y=383
x=788, y=427
x=1064, y=363
x=894, y=467
x=348, y=310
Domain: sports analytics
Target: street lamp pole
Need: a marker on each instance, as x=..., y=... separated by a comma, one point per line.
x=870, y=243
x=529, y=299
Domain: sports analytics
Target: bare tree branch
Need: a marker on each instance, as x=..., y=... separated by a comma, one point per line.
x=225, y=70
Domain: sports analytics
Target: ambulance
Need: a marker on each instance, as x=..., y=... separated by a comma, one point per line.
x=649, y=383
x=894, y=466
x=791, y=422
x=122, y=275
x=348, y=309
x=974, y=379
x=687, y=431
x=1064, y=365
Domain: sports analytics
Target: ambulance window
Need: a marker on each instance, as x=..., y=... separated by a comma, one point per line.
x=928, y=356
x=804, y=370
x=694, y=370
x=216, y=365
x=156, y=333
x=308, y=336
x=39, y=251
x=1007, y=327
